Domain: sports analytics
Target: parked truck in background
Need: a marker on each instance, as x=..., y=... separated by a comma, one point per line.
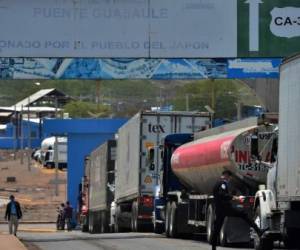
x=184, y=204
x=84, y=196
x=278, y=207
x=99, y=184
x=48, y=152
x=138, y=158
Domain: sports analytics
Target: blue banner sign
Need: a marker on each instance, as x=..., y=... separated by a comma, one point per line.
x=253, y=68
x=157, y=69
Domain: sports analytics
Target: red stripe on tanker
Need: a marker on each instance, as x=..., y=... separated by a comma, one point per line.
x=199, y=164
x=197, y=155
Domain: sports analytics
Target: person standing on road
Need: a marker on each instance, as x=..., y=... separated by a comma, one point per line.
x=13, y=214
x=60, y=223
x=68, y=215
x=223, y=204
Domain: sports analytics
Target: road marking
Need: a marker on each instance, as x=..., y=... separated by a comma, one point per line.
x=37, y=230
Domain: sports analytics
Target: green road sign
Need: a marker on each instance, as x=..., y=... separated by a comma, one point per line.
x=268, y=28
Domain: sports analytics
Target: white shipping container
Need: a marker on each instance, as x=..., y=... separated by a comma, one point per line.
x=138, y=143
x=288, y=174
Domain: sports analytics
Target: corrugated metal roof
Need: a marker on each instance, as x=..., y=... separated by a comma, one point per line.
x=32, y=109
x=34, y=97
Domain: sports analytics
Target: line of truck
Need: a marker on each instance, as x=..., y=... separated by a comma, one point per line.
x=141, y=181
x=160, y=171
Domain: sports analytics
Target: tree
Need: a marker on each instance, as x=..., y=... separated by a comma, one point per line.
x=220, y=95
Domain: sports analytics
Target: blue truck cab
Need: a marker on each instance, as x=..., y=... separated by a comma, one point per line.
x=168, y=181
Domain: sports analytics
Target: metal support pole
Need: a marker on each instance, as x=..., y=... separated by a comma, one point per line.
x=213, y=94
x=56, y=107
x=187, y=102
x=22, y=136
x=15, y=132
x=56, y=166
x=29, y=137
x=239, y=107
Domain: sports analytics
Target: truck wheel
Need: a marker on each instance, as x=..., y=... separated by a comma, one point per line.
x=85, y=225
x=167, y=222
x=223, y=237
x=84, y=228
x=261, y=243
x=117, y=228
x=91, y=219
x=173, y=221
x=91, y=228
x=210, y=223
x=103, y=225
x=134, y=215
x=158, y=228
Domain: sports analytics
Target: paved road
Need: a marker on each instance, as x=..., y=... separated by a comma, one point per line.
x=126, y=241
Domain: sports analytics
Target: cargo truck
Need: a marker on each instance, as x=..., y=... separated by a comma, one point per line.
x=278, y=207
x=84, y=193
x=137, y=172
x=184, y=204
x=48, y=152
x=99, y=180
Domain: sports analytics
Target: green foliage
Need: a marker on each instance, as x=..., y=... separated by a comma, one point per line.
x=79, y=109
x=220, y=95
x=123, y=98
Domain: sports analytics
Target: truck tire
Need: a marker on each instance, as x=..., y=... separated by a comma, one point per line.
x=261, y=243
x=158, y=228
x=134, y=217
x=223, y=237
x=117, y=228
x=104, y=224
x=167, y=222
x=85, y=224
x=210, y=215
x=173, y=221
x=91, y=224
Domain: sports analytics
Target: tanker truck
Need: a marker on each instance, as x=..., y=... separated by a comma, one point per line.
x=184, y=204
x=278, y=207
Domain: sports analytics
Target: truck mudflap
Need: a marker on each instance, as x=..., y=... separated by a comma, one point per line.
x=230, y=226
x=145, y=209
x=159, y=210
x=272, y=235
x=292, y=219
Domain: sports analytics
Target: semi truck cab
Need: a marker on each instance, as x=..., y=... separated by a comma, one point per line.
x=168, y=181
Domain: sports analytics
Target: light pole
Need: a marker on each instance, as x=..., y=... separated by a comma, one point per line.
x=29, y=137
x=211, y=112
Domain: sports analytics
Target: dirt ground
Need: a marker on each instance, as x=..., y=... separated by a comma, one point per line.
x=33, y=188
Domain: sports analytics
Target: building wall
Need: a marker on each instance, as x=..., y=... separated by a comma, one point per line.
x=84, y=135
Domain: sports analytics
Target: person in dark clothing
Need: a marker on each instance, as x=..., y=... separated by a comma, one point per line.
x=13, y=214
x=224, y=208
x=60, y=222
x=68, y=215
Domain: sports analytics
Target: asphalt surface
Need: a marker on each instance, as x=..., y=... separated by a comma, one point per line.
x=49, y=239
